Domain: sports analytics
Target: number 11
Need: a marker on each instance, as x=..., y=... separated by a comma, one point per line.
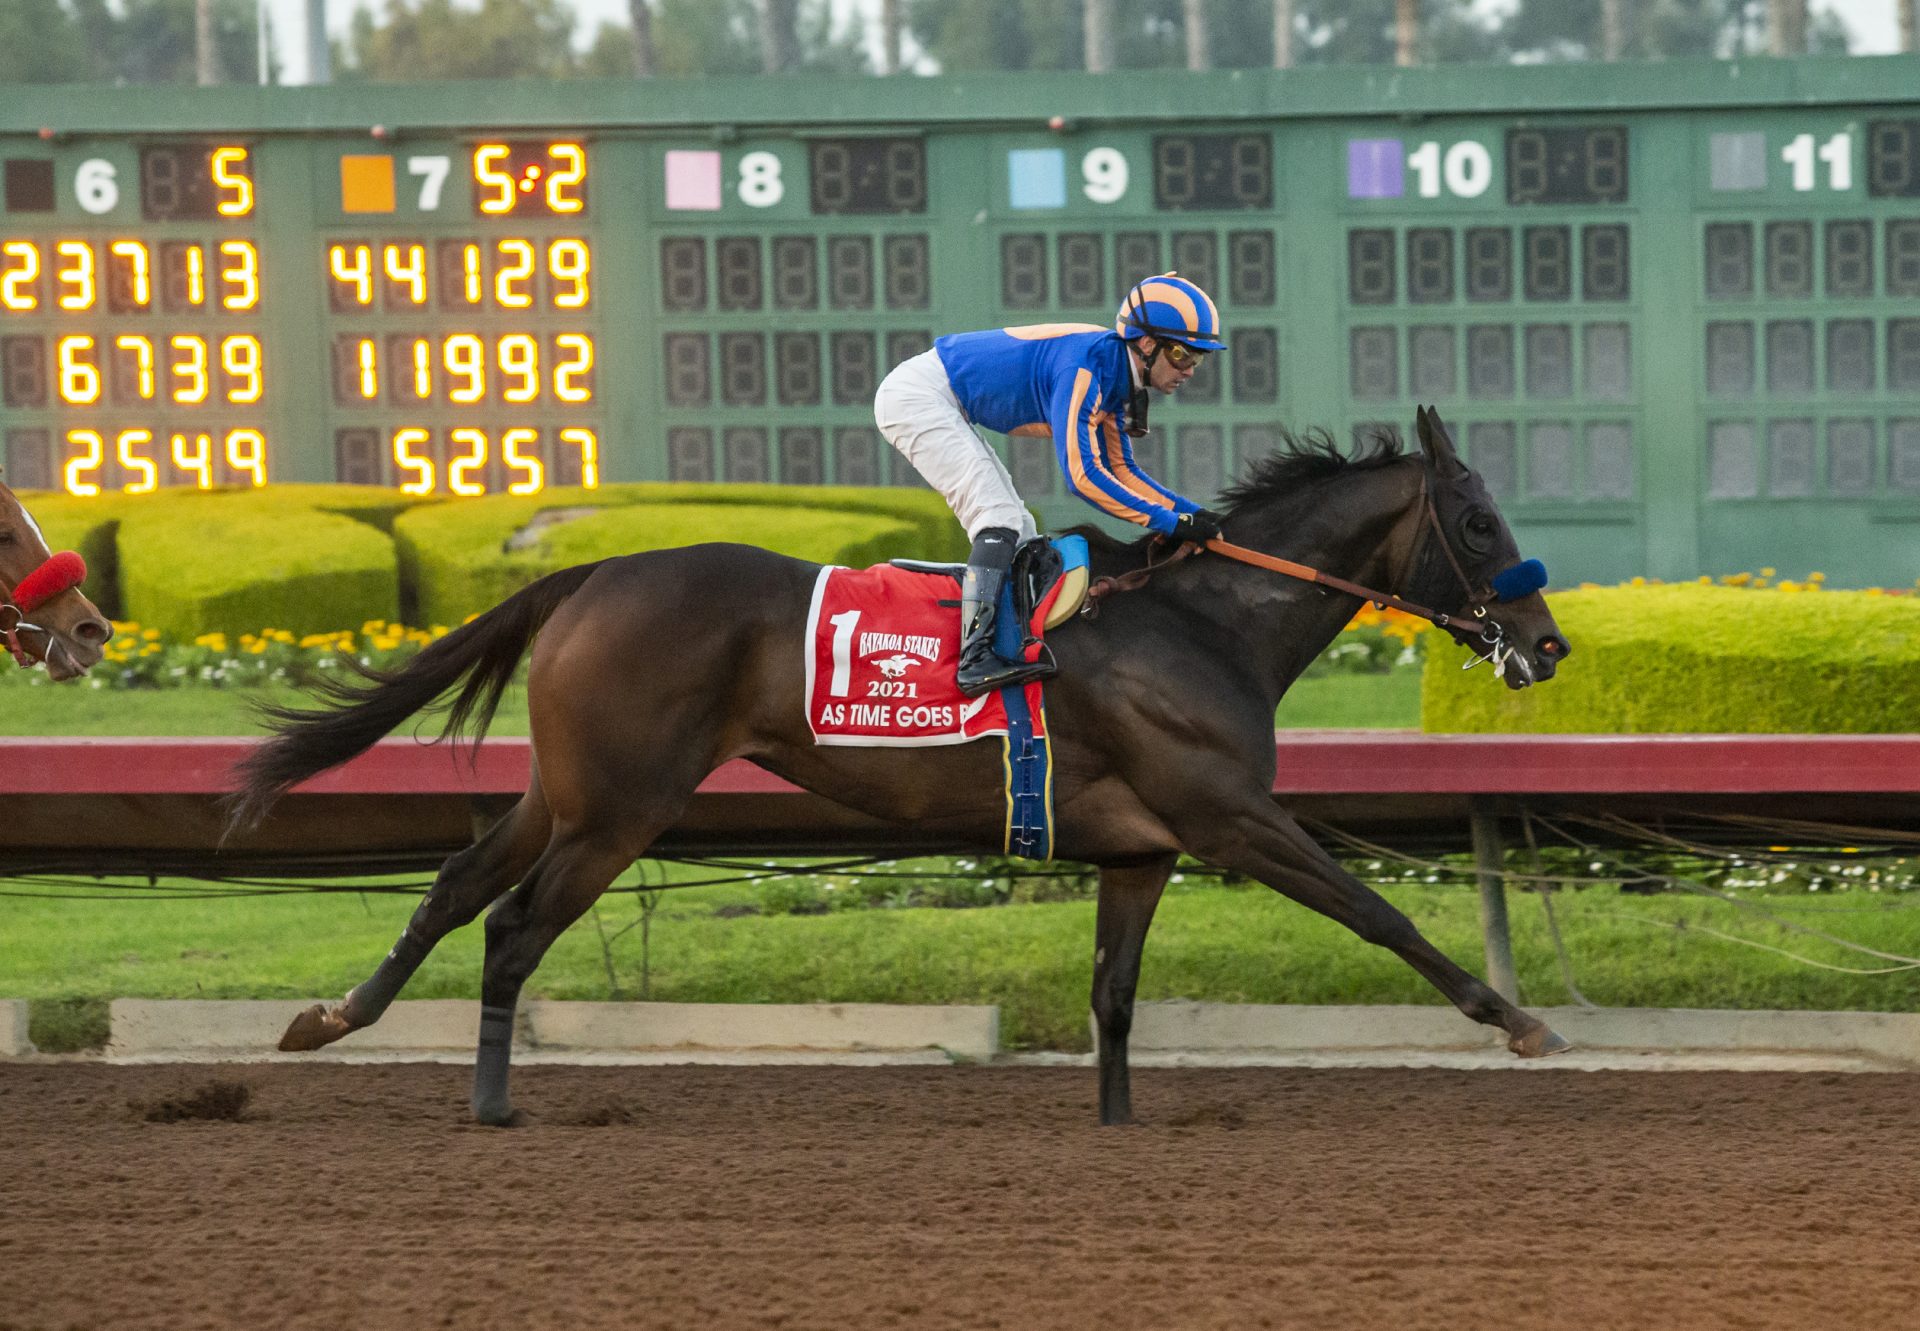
x=1836, y=152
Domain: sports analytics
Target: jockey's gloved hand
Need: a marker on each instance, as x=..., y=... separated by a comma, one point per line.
x=1200, y=526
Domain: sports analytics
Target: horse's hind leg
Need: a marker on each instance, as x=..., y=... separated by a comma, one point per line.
x=576, y=867
x=466, y=883
x=1128, y=897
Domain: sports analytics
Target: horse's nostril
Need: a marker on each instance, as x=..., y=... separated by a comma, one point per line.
x=1553, y=647
x=93, y=630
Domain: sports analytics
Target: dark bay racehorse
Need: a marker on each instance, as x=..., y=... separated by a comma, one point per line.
x=43, y=616
x=650, y=671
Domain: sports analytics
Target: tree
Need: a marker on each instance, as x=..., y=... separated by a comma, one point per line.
x=722, y=37
x=1654, y=29
x=432, y=39
x=41, y=41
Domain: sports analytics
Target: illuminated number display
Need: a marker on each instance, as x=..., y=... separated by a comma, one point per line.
x=195, y=182
x=137, y=354
x=519, y=178
x=462, y=354
x=867, y=175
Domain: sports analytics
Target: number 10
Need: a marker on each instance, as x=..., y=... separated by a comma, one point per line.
x=1467, y=169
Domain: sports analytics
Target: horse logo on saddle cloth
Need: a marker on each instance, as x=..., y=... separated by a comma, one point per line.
x=881, y=648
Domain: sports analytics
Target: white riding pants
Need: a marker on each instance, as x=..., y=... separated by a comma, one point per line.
x=918, y=413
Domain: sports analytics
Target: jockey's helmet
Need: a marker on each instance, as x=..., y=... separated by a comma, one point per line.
x=1173, y=309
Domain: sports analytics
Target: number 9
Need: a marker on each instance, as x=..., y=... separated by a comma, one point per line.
x=1105, y=171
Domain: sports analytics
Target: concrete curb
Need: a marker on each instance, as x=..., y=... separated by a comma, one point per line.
x=148, y=1030
x=13, y=1028
x=1183, y=1030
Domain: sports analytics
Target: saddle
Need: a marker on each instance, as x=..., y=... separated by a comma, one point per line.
x=1038, y=566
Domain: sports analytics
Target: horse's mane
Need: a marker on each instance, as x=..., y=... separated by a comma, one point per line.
x=1300, y=461
x=1307, y=459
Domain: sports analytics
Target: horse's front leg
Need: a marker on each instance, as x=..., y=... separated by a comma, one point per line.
x=1127, y=900
x=1253, y=835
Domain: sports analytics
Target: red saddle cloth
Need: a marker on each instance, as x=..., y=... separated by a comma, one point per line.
x=881, y=652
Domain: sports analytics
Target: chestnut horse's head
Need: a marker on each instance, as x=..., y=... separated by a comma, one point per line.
x=43, y=616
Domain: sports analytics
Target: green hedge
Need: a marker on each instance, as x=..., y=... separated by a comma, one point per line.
x=454, y=559
x=313, y=558
x=238, y=561
x=1701, y=659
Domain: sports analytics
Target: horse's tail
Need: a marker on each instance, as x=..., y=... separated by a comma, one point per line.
x=484, y=652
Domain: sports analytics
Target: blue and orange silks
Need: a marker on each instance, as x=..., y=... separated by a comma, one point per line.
x=1070, y=381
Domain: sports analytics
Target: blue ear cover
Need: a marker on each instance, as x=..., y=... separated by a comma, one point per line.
x=1521, y=580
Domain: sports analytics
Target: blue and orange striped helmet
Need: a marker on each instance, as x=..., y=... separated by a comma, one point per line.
x=1170, y=307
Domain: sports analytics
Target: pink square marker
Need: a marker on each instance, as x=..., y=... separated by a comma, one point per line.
x=693, y=181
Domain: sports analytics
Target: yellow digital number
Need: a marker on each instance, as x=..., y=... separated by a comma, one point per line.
x=79, y=376
x=352, y=265
x=193, y=455
x=465, y=357
x=93, y=454
x=472, y=283
x=569, y=261
x=561, y=195
x=188, y=364
x=124, y=447
x=18, y=283
x=499, y=183
x=243, y=275
x=566, y=372
x=240, y=358
x=459, y=466
x=404, y=442
x=520, y=359
x=142, y=349
x=196, y=276
x=406, y=265
x=367, y=355
x=517, y=269
x=589, y=445
x=79, y=276
x=247, y=453
x=236, y=189
x=519, y=449
x=423, y=369
x=139, y=270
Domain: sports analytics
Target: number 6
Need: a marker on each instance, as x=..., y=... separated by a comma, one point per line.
x=95, y=187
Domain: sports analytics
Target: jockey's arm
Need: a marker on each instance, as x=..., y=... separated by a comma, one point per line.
x=1098, y=461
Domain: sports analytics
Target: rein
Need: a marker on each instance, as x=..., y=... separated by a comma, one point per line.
x=1475, y=617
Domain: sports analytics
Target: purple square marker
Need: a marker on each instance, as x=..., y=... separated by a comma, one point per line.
x=1375, y=169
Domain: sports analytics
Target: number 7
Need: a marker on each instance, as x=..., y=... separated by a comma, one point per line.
x=433, y=174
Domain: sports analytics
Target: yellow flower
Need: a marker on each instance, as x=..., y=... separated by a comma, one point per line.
x=150, y=635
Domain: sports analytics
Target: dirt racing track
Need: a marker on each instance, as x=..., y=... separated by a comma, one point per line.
x=287, y=1197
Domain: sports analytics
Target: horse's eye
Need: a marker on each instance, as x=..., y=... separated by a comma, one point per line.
x=1479, y=528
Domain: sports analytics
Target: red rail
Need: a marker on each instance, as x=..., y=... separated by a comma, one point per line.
x=1309, y=762
x=150, y=805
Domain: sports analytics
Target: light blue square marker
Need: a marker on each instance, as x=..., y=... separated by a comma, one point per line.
x=1037, y=178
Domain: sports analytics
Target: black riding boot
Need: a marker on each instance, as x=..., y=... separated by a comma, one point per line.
x=981, y=668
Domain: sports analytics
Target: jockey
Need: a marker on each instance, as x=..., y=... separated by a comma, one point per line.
x=1084, y=385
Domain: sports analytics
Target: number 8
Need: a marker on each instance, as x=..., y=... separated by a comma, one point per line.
x=760, y=184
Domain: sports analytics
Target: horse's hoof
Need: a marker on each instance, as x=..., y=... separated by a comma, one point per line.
x=1539, y=1042
x=315, y=1028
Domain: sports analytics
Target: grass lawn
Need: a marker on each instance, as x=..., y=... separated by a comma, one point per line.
x=1225, y=944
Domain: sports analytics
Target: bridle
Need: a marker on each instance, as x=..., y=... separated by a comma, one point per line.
x=59, y=573
x=1473, y=621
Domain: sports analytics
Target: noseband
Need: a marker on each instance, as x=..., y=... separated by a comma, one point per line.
x=61, y=572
